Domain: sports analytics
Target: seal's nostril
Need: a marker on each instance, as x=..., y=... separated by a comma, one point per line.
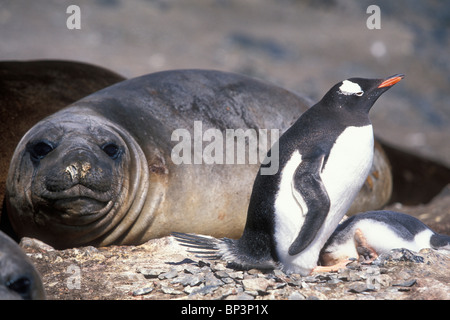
x=72, y=170
x=85, y=167
x=78, y=170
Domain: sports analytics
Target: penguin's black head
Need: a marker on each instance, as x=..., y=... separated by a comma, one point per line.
x=358, y=94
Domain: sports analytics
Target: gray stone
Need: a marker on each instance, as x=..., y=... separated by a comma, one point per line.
x=296, y=296
x=170, y=290
x=188, y=280
x=408, y=283
x=142, y=291
x=168, y=275
x=256, y=284
x=211, y=280
x=150, y=273
x=207, y=289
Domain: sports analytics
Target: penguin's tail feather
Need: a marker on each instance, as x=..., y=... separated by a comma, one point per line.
x=202, y=246
x=222, y=249
x=440, y=242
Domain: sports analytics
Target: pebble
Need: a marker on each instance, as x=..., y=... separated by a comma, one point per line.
x=219, y=267
x=192, y=269
x=238, y=275
x=408, y=283
x=207, y=289
x=150, y=273
x=211, y=280
x=222, y=274
x=188, y=280
x=169, y=290
x=296, y=296
x=256, y=284
x=228, y=280
x=240, y=296
x=359, y=287
x=168, y=275
x=142, y=291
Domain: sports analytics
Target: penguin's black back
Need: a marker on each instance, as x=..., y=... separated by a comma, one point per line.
x=257, y=241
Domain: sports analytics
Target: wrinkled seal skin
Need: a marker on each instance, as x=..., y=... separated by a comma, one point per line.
x=33, y=90
x=18, y=277
x=99, y=172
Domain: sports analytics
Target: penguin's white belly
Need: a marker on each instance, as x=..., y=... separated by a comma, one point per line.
x=343, y=175
x=382, y=238
x=347, y=167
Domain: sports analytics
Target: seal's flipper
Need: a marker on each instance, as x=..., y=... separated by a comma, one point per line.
x=308, y=184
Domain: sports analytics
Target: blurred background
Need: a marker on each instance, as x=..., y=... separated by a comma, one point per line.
x=304, y=46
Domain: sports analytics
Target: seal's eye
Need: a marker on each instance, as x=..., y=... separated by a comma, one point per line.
x=20, y=285
x=112, y=150
x=40, y=149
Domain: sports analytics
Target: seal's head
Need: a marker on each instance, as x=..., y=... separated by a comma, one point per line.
x=19, y=279
x=70, y=181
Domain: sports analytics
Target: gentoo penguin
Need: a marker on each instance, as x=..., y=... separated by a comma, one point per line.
x=372, y=233
x=324, y=159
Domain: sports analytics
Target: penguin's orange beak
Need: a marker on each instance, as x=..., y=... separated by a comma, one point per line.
x=391, y=81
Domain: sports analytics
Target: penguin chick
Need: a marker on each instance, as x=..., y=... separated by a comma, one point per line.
x=324, y=159
x=372, y=233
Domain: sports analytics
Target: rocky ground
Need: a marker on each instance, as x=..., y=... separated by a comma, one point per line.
x=162, y=269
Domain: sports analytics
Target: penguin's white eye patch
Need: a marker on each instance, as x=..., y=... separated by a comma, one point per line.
x=349, y=88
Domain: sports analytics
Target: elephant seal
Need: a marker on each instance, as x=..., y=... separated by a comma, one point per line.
x=102, y=170
x=18, y=277
x=33, y=90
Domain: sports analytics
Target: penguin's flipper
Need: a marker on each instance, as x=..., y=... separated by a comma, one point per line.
x=308, y=185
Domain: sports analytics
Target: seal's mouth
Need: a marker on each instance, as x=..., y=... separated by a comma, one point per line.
x=78, y=205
